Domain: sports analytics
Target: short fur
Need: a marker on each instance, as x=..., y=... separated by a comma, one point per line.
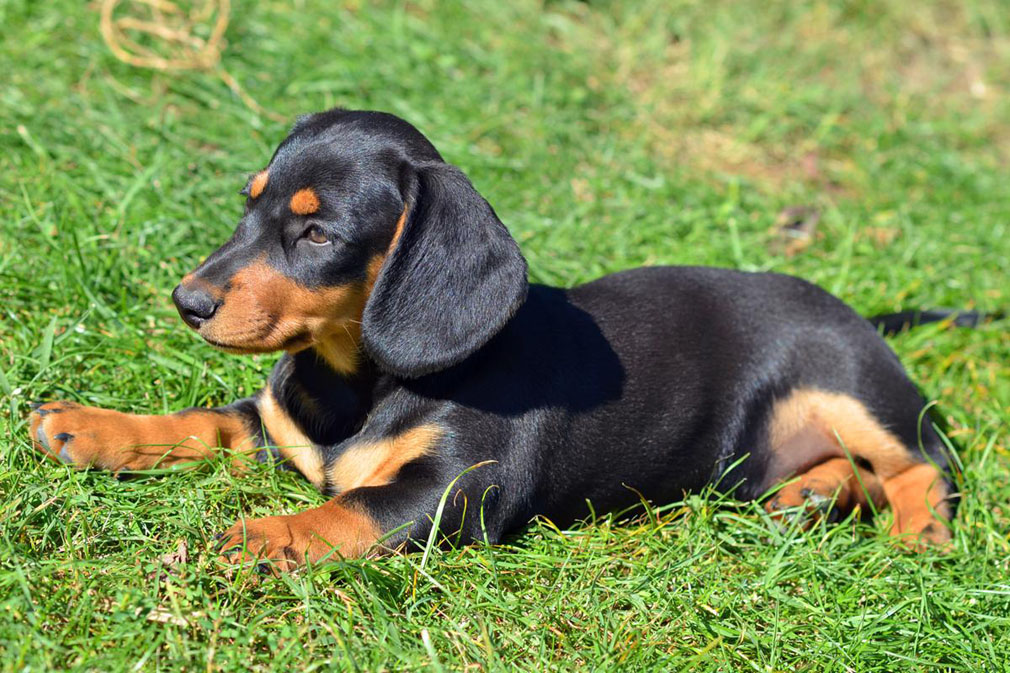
x=415, y=349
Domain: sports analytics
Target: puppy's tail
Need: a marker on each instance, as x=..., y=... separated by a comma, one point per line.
x=893, y=323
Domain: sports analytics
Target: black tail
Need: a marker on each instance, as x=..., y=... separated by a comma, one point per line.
x=893, y=323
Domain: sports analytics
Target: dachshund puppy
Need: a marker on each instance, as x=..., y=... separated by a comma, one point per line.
x=415, y=349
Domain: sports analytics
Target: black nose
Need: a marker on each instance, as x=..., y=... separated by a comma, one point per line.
x=195, y=306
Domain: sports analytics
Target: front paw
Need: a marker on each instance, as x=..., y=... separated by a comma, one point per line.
x=281, y=543
x=50, y=428
x=271, y=543
x=84, y=436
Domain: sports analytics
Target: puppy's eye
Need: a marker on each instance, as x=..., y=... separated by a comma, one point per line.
x=315, y=235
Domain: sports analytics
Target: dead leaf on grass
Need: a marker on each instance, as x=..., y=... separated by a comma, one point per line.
x=795, y=228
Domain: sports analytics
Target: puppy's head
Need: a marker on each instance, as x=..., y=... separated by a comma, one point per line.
x=358, y=237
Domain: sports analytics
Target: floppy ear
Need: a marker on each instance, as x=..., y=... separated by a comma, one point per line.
x=453, y=280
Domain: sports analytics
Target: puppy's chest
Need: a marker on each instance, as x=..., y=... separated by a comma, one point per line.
x=365, y=460
x=343, y=448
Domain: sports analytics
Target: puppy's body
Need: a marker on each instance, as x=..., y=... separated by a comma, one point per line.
x=416, y=351
x=645, y=383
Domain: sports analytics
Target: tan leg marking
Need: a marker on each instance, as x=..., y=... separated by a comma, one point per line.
x=376, y=463
x=288, y=541
x=112, y=440
x=805, y=430
x=915, y=495
x=807, y=425
x=832, y=482
x=292, y=443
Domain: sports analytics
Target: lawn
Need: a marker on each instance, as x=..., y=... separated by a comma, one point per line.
x=607, y=135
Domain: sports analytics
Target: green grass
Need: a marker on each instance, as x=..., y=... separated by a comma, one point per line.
x=607, y=135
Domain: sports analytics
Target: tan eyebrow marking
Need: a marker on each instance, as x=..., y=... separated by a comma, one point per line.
x=304, y=202
x=259, y=183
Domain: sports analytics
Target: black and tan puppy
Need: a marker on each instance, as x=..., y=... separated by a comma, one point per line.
x=415, y=349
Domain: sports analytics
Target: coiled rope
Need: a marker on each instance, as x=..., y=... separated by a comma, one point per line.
x=161, y=35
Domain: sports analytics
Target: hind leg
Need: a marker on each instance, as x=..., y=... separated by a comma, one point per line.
x=918, y=497
x=830, y=488
x=813, y=426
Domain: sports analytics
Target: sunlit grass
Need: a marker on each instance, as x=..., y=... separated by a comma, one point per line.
x=606, y=135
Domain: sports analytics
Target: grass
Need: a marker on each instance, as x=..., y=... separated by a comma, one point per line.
x=607, y=135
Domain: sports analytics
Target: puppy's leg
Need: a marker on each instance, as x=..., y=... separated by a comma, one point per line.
x=112, y=440
x=339, y=528
x=830, y=488
x=811, y=423
x=348, y=526
x=918, y=497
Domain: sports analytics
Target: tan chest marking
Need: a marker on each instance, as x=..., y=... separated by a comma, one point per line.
x=376, y=463
x=810, y=426
x=292, y=443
